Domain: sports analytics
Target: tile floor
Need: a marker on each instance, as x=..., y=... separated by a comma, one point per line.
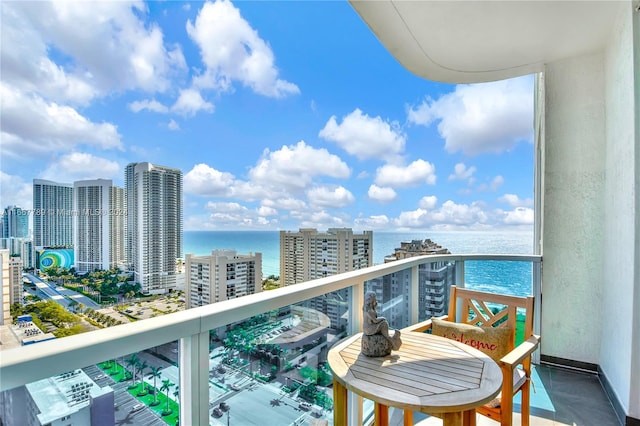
x=562, y=397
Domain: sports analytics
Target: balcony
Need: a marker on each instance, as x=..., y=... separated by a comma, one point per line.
x=227, y=352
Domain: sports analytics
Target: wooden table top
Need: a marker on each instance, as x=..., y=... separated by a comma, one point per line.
x=429, y=373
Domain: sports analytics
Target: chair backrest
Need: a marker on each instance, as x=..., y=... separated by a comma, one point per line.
x=485, y=309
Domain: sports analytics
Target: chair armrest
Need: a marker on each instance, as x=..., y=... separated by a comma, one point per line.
x=422, y=326
x=519, y=353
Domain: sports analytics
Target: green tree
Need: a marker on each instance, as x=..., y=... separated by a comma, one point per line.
x=132, y=362
x=166, y=387
x=155, y=373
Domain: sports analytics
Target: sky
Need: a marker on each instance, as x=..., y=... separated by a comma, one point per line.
x=280, y=114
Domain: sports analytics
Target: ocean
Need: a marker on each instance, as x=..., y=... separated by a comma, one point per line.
x=509, y=277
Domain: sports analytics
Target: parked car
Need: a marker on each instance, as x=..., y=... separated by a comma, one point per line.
x=304, y=406
x=217, y=412
x=137, y=407
x=224, y=406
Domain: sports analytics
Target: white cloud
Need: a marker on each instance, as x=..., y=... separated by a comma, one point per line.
x=372, y=222
x=381, y=194
x=267, y=211
x=107, y=46
x=80, y=166
x=293, y=167
x=30, y=125
x=417, y=173
x=205, y=180
x=173, y=125
x=148, y=104
x=330, y=197
x=450, y=216
x=418, y=218
x=461, y=172
x=428, y=202
x=460, y=214
x=225, y=207
x=189, y=102
x=514, y=201
x=366, y=137
x=16, y=191
x=481, y=118
x=519, y=216
x=232, y=50
x=286, y=203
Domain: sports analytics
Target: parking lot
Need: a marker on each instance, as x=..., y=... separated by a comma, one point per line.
x=124, y=401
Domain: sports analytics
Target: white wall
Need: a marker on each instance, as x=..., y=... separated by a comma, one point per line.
x=573, y=211
x=620, y=210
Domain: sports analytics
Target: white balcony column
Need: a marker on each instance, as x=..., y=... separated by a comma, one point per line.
x=194, y=383
x=355, y=309
x=414, y=315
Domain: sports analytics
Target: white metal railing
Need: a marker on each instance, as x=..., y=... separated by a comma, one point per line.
x=26, y=364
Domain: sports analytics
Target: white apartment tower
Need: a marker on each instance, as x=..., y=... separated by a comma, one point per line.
x=308, y=254
x=222, y=275
x=5, y=288
x=52, y=214
x=99, y=223
x=15, y=279
x=154, y=225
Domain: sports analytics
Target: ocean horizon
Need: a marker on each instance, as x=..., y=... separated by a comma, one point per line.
x=483, y=275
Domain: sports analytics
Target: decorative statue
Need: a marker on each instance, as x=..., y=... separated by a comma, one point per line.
x=376, y=340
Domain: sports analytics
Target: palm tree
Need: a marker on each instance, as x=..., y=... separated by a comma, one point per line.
x=141, y=367
x=132, y=361
x=166, y=386
x=155, y=373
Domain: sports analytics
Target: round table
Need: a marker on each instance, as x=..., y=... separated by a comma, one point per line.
x=429, y=374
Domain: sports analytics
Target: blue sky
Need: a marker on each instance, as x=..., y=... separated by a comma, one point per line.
x=280, y=115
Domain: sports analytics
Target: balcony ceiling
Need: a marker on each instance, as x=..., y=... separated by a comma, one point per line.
x=477, y=41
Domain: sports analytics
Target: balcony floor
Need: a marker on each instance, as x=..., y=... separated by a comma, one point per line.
x=562, y=397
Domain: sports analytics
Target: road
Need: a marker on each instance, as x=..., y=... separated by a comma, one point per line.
x=61, y=295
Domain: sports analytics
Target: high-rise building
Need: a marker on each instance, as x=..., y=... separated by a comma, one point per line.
x=15, y=280
x=5, y=288
x=154, y=225
x=308, y=254
x=99, y=222
x=15, y=222
x=222, y=275
x=22, y=247
x=434, y=280
x=52, y=214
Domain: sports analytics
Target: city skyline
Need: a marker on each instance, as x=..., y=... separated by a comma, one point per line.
x=293, y=128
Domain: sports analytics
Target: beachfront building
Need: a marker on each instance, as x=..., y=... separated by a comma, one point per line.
x=154, y=225
x=434, y=279
x=308, y=254
x=15, y=222
x=5, y=287
x=222, y=275
x=52, y=214
x=99, y=222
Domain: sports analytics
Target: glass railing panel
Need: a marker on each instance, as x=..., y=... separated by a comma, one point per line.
x=499, y=276
x=133, y=389
x=273, y=366
x=392, y=293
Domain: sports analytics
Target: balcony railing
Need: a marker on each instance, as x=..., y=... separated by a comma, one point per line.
x=200, y=378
